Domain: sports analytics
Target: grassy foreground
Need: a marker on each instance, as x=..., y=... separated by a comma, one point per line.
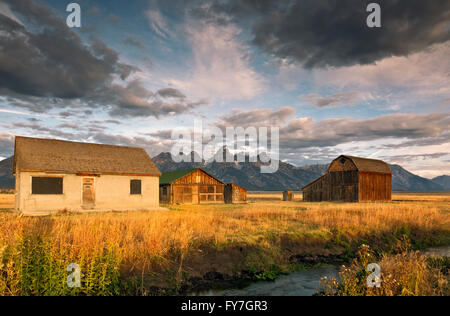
x=169, y=252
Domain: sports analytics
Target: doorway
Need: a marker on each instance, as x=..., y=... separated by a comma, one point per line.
x=88, y=193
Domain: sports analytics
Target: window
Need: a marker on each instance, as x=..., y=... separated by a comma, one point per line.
x=136, y=187
x=46, y=185
x=164, y=191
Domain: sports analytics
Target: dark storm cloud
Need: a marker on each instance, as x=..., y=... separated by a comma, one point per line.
x=134, y=100
x=45, y=65
x=334, y=32
x=49, y=49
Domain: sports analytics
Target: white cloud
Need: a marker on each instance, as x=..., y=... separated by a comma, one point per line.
x=158, y=23
x=221, y=68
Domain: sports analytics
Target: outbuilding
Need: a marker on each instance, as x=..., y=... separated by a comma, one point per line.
x=235, y=194
x=193, y=186
x=352, y=179
x=55, y=175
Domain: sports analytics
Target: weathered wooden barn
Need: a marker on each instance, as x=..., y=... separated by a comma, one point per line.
x=235, y=194
x=352, y=179
x=194, y=186
x=53, y=175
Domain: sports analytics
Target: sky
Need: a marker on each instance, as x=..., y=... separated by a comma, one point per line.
x=137, y=70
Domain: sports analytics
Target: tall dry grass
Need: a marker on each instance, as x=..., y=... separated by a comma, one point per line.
x=157, y=244
x=407, y=273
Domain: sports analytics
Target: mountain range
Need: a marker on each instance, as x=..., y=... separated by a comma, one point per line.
x=288, y=176
x=248, y=175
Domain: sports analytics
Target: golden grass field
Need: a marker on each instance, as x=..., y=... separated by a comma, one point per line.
x=160, y=247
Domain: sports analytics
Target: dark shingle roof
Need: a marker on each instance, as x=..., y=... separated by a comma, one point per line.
x=169, y=177
x=37, y=154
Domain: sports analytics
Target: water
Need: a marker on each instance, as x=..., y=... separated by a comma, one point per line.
x=437, y=252
x=300, y=283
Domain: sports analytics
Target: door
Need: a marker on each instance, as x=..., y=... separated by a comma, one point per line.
x=88, y=193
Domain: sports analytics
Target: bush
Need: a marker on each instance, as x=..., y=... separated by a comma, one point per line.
x=407, y=273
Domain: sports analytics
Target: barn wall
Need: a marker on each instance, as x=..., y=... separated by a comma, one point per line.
x=196, y=188
x=375, y=187
x=318, y=191
x=234, y=194
x=165, y=198
x=111, y=192
x=334, y=186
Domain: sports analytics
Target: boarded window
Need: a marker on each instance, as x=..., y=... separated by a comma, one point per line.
x=46, y=185
x=136, y=187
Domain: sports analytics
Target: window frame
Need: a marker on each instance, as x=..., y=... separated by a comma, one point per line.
x=131, y=187
x=46, y=177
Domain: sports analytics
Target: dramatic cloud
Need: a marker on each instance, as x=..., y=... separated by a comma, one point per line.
x=341, y=98
x=306, y=132
x=54, y=52
x=221, y=66
x=135, y=100
x=72, y=70
x=334, y=32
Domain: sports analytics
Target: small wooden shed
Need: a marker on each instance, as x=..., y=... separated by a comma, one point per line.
x=193, y=186
x=235, y=194
x=288, y=195
x=352, y=179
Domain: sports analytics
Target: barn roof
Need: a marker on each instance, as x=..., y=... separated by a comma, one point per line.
x=368, y=165
x=237, y=185
x=35, y=154
x=169, y=177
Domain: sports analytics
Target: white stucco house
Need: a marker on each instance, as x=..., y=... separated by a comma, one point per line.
x=54, y=175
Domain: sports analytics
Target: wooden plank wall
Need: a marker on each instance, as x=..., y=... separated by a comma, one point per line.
x=334, y=186
x=375, y=187
x=196, y=187
x=235, y=194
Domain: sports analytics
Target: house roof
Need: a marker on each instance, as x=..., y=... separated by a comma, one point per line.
x=35, y=154
x=368, y=165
